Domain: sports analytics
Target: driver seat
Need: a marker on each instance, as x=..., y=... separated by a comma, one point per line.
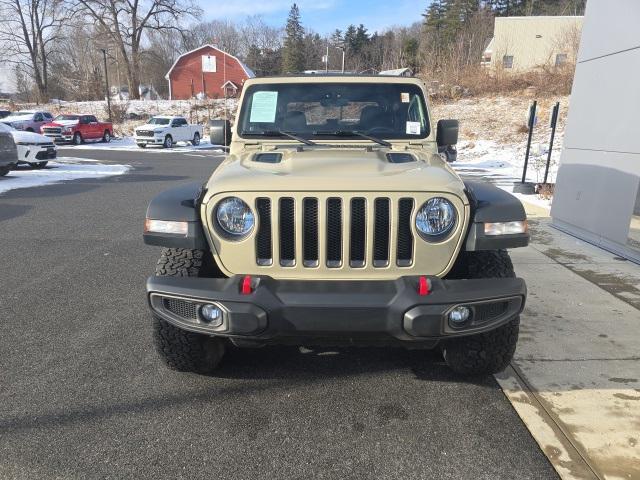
x=373, y=117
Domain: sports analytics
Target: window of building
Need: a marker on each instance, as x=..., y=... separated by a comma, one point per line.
x=507, y=61
x=561, y=59
x=208, y=64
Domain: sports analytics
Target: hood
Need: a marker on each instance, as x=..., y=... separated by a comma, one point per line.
x=29, y=137
x=147, y=126
x=17, y=118
x=335, y=169
x=62, y=123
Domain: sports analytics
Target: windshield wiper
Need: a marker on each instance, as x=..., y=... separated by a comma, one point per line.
x=353, y=133
x=280, y=133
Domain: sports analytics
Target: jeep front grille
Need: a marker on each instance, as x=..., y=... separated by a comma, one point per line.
x=357, y=232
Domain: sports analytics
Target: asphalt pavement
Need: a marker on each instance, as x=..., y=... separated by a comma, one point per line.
x=83, y=394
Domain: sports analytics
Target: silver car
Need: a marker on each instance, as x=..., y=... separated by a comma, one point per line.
x=8, y=153
x=28, y=120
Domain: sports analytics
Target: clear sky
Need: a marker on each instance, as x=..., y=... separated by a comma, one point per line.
x=322, y=16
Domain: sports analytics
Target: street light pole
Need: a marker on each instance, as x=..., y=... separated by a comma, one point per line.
x=106, y=81
x=342, y=48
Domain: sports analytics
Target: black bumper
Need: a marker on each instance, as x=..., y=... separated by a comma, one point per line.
x=355, y=312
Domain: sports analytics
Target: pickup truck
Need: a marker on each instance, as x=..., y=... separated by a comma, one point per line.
x=167, y=131
x=77, y=129
x=27, y=120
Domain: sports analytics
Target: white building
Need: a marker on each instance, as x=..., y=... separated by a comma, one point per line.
x=597, y=194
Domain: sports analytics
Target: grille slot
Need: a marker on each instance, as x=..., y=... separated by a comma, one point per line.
x=287, y=233
x=181, y=308
x=334, y=232
x=489, y=311
x=310, y=232
x=404, y=255
x=358, y=233
x=264, y=250
x=381, y=233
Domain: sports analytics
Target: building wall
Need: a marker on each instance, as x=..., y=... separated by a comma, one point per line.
x=533, y=41
x=597, y=190
x=189, y=68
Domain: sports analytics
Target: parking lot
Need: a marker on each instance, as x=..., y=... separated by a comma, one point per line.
x=84, y=395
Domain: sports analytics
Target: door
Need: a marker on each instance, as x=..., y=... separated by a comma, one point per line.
x=95, y=127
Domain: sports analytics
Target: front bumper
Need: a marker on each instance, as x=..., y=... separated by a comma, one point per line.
x=351, y=312
x=149, y=140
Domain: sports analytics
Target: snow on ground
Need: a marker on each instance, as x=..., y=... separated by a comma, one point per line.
x=127, y=144
x=58, y=171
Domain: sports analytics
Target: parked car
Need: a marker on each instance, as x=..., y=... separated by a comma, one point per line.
x=77, y=129
x=33, y=149
x=27, y=120
x=5, y=113
x=8, y=152
x=336, y=221
x=167, y=131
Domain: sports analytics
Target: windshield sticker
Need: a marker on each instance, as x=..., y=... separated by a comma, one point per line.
x=404, y=97
x=413, y=128
x=263, y=107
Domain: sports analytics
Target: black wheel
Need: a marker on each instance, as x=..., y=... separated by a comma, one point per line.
x=168, y=142
x=196, y=139
x=488, y=352
x=142, y=145
x=181, y=350
x=29, y=130
x=106, y=138
x=77, y=138
x=4, y=171
x=38, y=165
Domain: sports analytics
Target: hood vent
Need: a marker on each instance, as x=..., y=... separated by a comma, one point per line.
x=396, y=157
x=268, y=157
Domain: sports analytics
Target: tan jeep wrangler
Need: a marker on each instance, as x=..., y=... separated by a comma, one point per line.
x=336, y=220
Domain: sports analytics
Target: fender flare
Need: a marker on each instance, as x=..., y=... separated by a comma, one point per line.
x=179, y=204
x=490, y=203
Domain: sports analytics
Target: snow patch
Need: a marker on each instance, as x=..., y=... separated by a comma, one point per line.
x=58, y=171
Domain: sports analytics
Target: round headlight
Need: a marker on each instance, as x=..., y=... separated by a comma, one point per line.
x=436, y=218
x=234, y=217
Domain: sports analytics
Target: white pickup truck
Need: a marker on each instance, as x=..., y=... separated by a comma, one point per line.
x=167, y=131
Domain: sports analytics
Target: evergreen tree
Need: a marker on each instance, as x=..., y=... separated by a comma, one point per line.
x=293, y=56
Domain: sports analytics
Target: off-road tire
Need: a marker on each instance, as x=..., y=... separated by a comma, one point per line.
x=181, y=350
x=4, y=171
x=488, y=352
x=196, y=139
x=168, y=142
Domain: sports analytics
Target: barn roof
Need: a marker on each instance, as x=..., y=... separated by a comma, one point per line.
x=246, y=69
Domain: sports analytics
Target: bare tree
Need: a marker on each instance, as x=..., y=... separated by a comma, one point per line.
x=127, y=22
x=29, y=28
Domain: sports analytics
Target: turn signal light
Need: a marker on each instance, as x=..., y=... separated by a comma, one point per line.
x=505, y=228
x=165, y=226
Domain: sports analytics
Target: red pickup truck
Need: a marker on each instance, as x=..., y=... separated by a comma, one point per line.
x=77, y=128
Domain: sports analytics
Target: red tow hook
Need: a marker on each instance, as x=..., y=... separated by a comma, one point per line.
x=424, y=287
x=245, y=288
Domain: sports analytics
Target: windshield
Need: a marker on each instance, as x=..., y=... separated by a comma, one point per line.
x=67, y=117
x=326, y=110
x=159, y=121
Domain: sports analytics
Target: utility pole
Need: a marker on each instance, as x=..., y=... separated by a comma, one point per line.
x=342, y=48
x=106, y=81
x=326, y=59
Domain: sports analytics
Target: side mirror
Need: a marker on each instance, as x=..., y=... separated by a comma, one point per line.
x=447, y=133
x=220, y=132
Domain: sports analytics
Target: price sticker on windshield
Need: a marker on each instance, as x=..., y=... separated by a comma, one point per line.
x=263, y=107
x=413, y=128
x=404, y=97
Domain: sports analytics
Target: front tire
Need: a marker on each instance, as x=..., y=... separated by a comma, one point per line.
x=38, y=165
x=489, y=352
x=142, y=145
x=168, y=142
x=179, y=349
x=77, y=138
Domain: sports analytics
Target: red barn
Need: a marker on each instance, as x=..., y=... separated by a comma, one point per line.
x=206, y=71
